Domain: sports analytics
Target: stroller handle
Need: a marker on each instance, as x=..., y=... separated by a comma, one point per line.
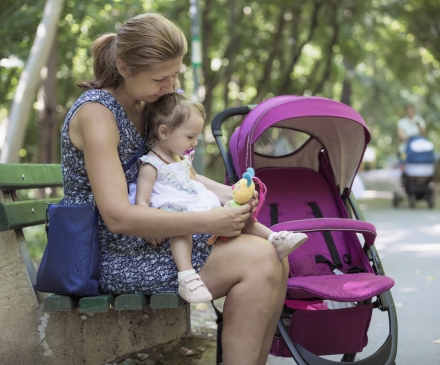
x=216, y=127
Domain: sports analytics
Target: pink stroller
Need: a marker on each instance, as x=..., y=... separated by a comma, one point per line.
x=307, y=151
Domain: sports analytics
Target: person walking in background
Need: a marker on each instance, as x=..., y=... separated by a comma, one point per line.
x=409, y=126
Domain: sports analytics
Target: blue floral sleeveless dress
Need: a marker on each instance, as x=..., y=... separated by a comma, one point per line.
x=128, y=264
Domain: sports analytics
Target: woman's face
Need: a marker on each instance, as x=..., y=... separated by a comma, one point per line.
x=149, y=86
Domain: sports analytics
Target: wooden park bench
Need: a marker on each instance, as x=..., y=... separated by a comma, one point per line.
x=55, y=329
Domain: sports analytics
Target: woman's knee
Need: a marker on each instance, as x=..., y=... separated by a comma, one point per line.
x=262, y=259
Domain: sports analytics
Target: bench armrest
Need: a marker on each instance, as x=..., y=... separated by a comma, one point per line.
x=330, y=224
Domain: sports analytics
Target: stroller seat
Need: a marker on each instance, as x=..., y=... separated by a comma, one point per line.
x=296, y=196
x=341, y=288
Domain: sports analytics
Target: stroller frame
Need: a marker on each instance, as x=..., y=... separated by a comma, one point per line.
x=386, y=354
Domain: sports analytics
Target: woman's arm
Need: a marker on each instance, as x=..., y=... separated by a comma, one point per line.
x=401, y=133
x=93, y=130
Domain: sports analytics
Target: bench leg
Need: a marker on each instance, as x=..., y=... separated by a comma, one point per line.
x=31, y=336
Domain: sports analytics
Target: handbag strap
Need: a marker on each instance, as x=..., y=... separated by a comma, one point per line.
x=126, y=166
x=138, y=153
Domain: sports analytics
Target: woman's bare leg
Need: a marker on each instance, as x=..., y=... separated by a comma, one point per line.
x=181, y=249
x=268, y=338
x=248, y=272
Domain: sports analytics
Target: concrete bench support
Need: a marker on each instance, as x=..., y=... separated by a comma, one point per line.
x=57, y=335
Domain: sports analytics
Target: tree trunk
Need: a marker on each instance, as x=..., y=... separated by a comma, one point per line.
x=47, y=116
x=29, y=79
x=346, y=85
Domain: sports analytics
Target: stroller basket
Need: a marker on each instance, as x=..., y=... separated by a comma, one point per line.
x=308, y=190
x=327, y=332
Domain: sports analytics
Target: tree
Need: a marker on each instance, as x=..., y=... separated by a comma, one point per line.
x=29, y=79
x=373, y=55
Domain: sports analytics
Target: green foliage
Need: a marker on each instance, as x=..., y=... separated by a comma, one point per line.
x=387, y=52
x=37, y=240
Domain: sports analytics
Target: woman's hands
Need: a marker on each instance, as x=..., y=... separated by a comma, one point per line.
x=228, y=222
x=254, y=204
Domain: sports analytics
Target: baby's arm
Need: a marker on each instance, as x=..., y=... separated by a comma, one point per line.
x=256, y=229
x=223, y=192
x=146, y=179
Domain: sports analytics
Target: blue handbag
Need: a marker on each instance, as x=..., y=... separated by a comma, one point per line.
x=70, y=262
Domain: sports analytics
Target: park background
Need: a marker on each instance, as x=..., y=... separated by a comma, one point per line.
x=375, y=56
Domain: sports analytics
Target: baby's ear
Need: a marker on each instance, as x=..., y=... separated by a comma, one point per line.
x=162, y=131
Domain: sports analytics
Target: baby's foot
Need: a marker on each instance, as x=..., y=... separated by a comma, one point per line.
x=192, y=289
x=286, y=242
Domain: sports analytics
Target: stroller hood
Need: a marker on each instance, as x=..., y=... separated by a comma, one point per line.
x=419, y=150
x=331, y=125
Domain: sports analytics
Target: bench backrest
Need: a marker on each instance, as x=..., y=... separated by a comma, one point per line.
x=19, y=214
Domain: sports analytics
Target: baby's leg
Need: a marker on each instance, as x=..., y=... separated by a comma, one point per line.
x=256, y=229
x=191, y=287
x=181, y=249
x=285, y=242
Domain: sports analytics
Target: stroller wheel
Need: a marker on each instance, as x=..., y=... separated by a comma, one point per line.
x=412, y=201
x=396, y=199
x=431, y=200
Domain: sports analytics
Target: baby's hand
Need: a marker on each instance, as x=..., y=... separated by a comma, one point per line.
x=155, y=241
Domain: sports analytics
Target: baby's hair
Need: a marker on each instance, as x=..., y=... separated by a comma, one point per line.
x=171, y=110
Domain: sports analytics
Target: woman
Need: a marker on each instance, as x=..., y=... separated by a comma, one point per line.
x=103, y=129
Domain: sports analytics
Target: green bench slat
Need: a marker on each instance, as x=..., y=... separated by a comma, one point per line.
x=125, y=302
x=59, y=303
x=98, y=304
x=165, y=300
x=103, y=302
x=14, y=215
x=15, y=176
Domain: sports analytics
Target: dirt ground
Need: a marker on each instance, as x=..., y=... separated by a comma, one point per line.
x=187, y=350
x=184, y=351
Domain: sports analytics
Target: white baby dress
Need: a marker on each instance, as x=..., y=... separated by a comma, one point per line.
x=174, y=190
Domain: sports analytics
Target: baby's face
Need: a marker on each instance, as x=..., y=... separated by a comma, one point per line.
x=184, y=138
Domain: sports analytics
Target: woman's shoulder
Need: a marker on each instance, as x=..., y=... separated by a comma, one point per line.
x=94, y=99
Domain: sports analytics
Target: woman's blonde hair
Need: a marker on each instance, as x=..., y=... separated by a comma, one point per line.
x=171, y=110
x=143, y=43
